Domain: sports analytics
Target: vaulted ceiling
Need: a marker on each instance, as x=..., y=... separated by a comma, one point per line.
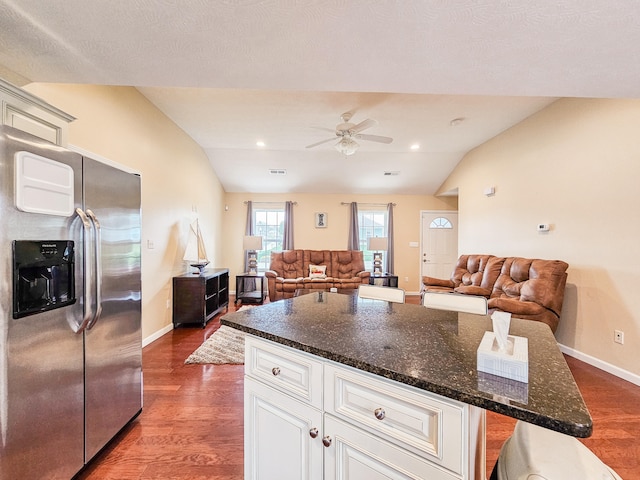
x=232, y=73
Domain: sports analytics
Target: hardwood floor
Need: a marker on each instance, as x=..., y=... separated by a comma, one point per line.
x=191, y=426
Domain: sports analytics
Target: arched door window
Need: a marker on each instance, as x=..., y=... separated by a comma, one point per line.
x=440, y=222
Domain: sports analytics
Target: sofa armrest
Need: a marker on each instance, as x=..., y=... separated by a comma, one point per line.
x=270, y=274
x=473, y=290
x=363, y=275
x=437, y=282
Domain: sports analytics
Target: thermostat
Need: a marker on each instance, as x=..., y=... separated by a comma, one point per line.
x=543, y=227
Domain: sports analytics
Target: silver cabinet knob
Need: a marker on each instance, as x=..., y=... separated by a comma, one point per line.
x=275, y=371
x=313, y=433
x=379, y=413
x=326, y=441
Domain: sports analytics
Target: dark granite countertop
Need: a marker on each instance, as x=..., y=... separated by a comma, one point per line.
x=432, y=350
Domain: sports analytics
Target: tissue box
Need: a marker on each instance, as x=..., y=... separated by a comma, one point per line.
x=514, y=363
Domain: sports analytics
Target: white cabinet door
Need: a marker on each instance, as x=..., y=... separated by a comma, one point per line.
x=358, y=455
x=283, y=437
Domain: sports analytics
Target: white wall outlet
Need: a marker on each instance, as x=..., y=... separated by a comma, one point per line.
x=168, y=303
x=543, y=227
x=406, y=279
x=150, y=244
x=618, y=336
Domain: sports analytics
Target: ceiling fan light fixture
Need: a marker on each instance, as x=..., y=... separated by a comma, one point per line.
x=347, y=146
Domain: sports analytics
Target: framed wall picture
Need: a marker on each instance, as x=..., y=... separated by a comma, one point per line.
x=321, y=220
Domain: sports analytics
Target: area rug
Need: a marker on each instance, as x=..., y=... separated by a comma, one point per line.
x=224, y=346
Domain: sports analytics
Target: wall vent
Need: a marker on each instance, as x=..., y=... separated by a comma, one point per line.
x=277, y=171
x=391, y=174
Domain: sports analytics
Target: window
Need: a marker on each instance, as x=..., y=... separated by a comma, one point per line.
x=269, y=224
x=371, y=223
x=440, y=222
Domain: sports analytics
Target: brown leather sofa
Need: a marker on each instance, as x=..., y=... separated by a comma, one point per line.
x=290, y=270
x=532, y=289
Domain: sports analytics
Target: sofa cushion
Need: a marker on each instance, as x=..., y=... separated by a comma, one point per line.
x=288, y=263
x=346, y=264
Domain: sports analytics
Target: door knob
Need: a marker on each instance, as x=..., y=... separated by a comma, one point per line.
x=326, y=441
x=313, y=433
x=275, y=371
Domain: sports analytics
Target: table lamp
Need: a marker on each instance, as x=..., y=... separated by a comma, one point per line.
x=377, y=244
x=251, y=243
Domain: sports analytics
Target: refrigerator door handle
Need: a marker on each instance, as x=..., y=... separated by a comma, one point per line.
x=88, y=291
x=98, y=267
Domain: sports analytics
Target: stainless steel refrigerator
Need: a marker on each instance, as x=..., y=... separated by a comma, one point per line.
x=70, y=336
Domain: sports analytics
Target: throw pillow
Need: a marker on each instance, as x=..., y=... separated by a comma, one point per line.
x=317, y=271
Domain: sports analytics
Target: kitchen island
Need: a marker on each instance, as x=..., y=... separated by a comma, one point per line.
x=331, y=353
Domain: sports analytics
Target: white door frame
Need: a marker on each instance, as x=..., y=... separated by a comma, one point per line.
x=422, y=239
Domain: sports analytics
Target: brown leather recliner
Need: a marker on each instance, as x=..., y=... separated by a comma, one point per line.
x=289, y=271
x=473, y=275
x=531, y=288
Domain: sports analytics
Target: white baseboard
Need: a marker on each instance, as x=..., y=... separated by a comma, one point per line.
x=154, y=336
x=607, y=367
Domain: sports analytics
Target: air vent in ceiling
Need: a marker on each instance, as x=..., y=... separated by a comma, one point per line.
x=277, y=171
x=391, y=174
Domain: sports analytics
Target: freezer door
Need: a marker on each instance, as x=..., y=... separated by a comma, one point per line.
x=113, y=341
x=41, y=357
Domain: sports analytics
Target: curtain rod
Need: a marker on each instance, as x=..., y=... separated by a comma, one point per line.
x=364, y=203
x=264, y=203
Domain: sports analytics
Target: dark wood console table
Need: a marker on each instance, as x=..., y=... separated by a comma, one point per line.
x=197, y=298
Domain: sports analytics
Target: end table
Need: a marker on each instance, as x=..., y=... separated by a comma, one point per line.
x=384, y=280
x=255, y=296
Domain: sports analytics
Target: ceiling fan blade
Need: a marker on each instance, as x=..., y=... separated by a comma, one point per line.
x=332, y=130
x=368, y=123
x=321, y=142
x=374, y=138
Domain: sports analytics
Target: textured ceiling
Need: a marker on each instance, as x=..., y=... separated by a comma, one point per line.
x=232, y=72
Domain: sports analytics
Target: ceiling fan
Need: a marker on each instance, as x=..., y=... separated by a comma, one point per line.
x=347, y=132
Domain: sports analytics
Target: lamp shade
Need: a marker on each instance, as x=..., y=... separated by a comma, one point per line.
x=377, y=243
x=252, y=242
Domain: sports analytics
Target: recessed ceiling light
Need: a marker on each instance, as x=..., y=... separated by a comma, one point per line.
x=456, y=121
x=260, y=143
x=415, y=146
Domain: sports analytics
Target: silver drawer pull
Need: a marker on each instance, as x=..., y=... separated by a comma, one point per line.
x=379, y=413
x=326, y=441
x=313, y=433
x=275, y=371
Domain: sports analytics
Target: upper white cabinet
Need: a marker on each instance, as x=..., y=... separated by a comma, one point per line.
x=33, y=115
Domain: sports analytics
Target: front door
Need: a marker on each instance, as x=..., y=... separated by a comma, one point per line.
x=439, y=240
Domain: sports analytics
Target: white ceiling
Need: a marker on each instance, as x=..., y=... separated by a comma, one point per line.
x=231, y=72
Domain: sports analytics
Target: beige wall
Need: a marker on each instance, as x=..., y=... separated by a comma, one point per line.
x=575, y=165
x=334, y=237
x=120, y=124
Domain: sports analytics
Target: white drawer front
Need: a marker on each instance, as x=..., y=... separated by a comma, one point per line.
x=357, y=455
x=285, y=369
x=427, y=424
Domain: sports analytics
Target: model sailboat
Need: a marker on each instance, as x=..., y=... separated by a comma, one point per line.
x=195, y=253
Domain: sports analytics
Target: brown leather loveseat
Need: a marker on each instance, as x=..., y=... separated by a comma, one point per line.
x=532, y=289
x=291, y=270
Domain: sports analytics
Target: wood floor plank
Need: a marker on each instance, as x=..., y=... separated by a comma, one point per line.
x=191, y=427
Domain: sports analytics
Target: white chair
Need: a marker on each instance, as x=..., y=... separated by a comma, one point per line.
x=456, y=302
x=375, y=292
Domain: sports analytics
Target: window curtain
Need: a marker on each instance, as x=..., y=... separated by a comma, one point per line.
x=388, y=261
x=354, y=235
x=287, y=238
x=249, y=283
